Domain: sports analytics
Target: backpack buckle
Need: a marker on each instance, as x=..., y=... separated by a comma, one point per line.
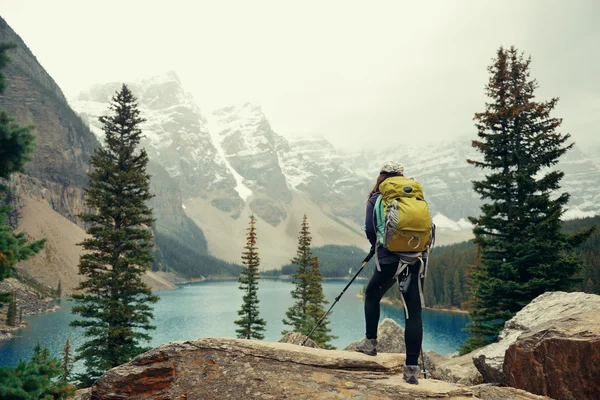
x=418, y=242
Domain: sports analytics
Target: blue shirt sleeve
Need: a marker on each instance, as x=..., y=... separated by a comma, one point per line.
x=369, y=228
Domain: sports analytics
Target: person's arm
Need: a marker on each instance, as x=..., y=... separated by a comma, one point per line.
x=369, y=227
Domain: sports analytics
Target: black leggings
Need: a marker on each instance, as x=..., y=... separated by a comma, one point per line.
x=379, y=284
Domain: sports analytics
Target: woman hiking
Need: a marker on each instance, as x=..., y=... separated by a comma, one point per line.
x=405, y=267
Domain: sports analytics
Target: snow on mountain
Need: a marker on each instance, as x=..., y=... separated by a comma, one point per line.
x=249, y=145
x=232, y=160
x=176, y=137
x=447, y=178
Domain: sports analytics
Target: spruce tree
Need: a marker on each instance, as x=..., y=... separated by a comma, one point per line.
x=457, y=292
x=112, y=301
x=523, y=250
x=11, y=315
x=67, y=362
x=316, y=307
x=17, y=142
x=303, y=315
x=35, y=379
x=297, y=314
x=250, y=324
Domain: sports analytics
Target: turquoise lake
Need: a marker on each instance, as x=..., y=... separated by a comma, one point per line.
x=208, y=309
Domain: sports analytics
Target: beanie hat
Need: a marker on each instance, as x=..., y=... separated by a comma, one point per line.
x=392, y=167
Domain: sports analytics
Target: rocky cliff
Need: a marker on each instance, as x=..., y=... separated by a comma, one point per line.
x=64, y=143
x=57, y=173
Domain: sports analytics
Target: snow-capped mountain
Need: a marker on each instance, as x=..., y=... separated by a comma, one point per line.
x=175, y=137
x=230, y=163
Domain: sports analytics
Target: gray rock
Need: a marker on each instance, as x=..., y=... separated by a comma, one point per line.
x=548, y=307
x=390, y=335
x=298, y=338
x=459, y=370
x=214, y=368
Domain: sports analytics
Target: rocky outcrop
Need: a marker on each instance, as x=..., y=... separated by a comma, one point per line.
x=559, y=359
x=546, y=308
x=390, y=338
x=246, y=369
x=298, y=338
x=453, y=369
x=29, y=301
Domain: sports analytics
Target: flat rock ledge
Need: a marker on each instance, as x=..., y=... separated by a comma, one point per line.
x=216, y=368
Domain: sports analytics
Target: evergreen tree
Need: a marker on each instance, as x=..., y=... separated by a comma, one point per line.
x=59, y=289
x=67, y=362
x=113, y=302
x=523, y=250
x=457, y=292
x=303, y=315
x=35, y=379
x=11, y=315
x=298, y=312
x=250, y=324
x=316, y=307
x=16, y=144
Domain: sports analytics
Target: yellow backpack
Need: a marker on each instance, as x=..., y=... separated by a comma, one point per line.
x=402, y=219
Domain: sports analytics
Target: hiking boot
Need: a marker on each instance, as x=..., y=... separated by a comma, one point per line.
x=368, y=346
x=411, y=374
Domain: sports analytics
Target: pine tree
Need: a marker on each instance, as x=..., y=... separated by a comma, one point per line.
x=11, y=315
x=113, y=302
x=67, y=362
x=16, y=144
x=297, y=313
x=303, y=315
x=457, y=291
x=523, y=251
x=35, y=379
x=250, y=324
x=59, y=289
x=316, y=307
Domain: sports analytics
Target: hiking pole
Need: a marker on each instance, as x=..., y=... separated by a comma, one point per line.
x=365, y=261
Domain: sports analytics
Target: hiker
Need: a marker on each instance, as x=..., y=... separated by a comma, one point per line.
x=400, y=256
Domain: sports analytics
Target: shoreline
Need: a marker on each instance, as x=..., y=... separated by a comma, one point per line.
x=398, y=303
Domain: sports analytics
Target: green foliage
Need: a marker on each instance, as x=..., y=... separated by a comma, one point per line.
x=16, y=144
x=335, y=261
x=250, y=324
x=67, y=362
x=113, y=302
x=36, y=379
x=458, y=259
x=303, y=315
x=4, y=47
x=11, y=315
x=316, y=307
x=186, y=253
x=524, y=253
x=445, y=285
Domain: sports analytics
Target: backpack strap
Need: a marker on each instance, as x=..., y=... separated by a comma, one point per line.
x=377, y=221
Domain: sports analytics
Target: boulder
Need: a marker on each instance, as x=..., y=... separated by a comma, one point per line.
x=544, y=309
x=391, y=338
x=453, y=369
x=560, y=359
x=214, y=368
x=298, y=338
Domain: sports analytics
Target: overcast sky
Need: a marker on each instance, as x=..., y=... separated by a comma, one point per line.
x=354, y=72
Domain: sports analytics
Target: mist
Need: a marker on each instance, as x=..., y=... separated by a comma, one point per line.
x=353, y=73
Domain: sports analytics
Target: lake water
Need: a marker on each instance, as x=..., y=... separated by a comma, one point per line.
x=208, y=309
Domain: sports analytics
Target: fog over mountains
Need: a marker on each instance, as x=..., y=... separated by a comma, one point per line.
x=229, y=162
